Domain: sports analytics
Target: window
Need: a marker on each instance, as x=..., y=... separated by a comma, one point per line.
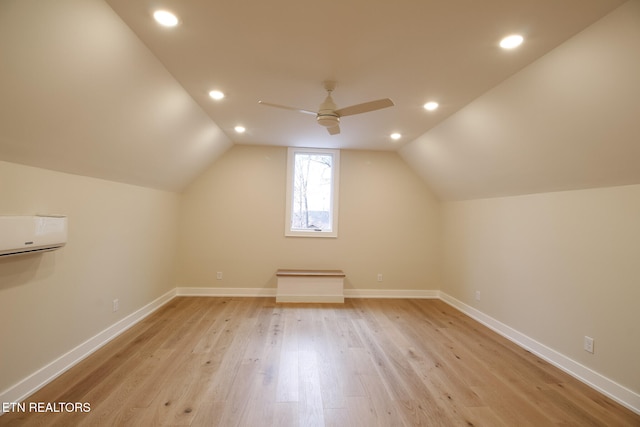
x=312, y=192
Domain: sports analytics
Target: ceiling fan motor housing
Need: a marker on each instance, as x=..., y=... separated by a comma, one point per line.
x=328, y=120
x=327, y=115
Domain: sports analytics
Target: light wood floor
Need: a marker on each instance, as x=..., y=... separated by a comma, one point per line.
x=252, y=362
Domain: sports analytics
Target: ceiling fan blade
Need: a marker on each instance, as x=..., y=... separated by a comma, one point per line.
x=334, y=130
x=365, y=107
x=287, y=108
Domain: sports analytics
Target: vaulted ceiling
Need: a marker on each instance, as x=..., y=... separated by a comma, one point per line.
x=100, y=89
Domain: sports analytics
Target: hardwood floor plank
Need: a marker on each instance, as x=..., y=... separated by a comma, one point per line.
x=240, y=392
x=120, y=404
x=386, y=411
x=512, y=409
x=288, y=382
x=485, y=416
x=209, y=414
x=189, y=374
x=351, y=384
x=231, y=348
x=332, y=361
x=384, y=369
x=578, y=397
x=311, y=411
x=285, y=414
x=424, y=413
x=335, y=417
x=361, y=412
x=263, y=389
x=249, y=361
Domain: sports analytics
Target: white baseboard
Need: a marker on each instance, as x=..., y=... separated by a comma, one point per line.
x=48, y=373
x=622, y=395
x=387, y=293
x=225, y=292
x=271, y=292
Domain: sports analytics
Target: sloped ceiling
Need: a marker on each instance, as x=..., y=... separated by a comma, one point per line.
x=80, y=93
x=97, y=88
x=570, y=120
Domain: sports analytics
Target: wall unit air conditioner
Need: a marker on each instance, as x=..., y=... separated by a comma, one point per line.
x=31, y=234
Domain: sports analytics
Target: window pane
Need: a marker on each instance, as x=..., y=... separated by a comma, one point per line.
x=313, y=176
x=311, y=207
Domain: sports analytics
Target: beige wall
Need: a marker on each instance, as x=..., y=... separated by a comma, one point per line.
x=553, y=266
x=121, y=245
x=232, y=221
x=556, y=267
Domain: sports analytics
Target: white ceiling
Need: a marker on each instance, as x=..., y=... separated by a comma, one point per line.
x=99, y=89
x=410, y=51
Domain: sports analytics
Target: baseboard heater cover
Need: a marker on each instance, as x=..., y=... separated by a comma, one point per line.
x=310, y=286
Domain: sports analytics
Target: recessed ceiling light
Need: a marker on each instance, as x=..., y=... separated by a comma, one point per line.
x=240, y=129
x=165, y=18
x=216, y=94
x=431, y=105
x=511, y=41
x=396, y=135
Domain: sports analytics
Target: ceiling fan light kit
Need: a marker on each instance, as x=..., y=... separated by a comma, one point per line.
x=328, y=114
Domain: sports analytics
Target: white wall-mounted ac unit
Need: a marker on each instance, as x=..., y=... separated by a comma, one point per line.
x=31, y=234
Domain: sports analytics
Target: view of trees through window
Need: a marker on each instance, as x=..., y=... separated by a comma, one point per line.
x=312, y=187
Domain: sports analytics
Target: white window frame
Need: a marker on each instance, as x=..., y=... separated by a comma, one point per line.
x=335, y=181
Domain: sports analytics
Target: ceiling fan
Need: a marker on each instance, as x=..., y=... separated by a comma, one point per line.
x=328, y=114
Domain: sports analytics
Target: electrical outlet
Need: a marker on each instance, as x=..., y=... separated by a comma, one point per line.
x=477, y=295
x=588, y=344
x=379, y=277
x=116, y=305
x=219, y=275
